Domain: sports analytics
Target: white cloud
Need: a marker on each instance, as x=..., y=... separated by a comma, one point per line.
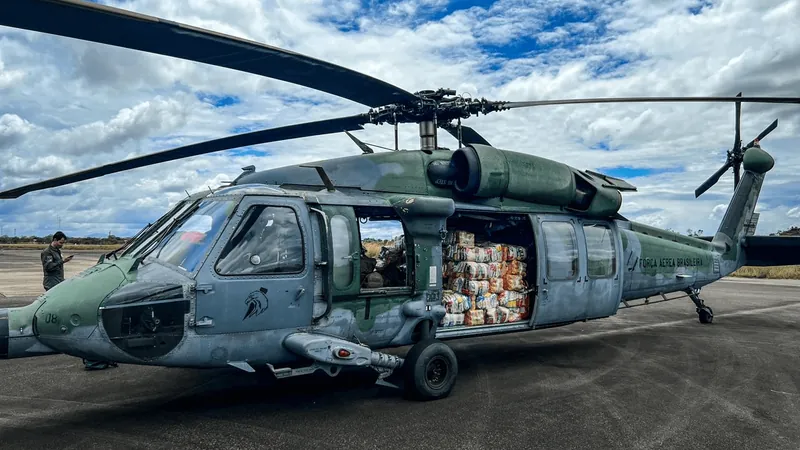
x=718, y=212
x=70, y=105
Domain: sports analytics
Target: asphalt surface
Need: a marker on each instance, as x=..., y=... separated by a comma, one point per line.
x=651, y=377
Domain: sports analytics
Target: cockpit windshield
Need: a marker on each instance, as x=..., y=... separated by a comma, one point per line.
x=145, y=237
x=185, y=242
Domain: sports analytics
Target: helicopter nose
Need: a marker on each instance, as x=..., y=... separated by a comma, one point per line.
x=69, y=315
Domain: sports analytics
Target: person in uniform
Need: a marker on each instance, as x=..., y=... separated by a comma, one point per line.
x=53, y=262
x=53, y=268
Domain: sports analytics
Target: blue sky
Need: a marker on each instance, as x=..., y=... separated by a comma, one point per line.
x=70, y=105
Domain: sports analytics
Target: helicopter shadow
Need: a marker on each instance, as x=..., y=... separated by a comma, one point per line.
x=238, y=395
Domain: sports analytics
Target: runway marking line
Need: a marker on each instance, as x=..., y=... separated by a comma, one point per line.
x=781, y=392
x=668, y=324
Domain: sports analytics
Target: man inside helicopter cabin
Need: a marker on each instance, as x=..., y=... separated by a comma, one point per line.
x=53, y=268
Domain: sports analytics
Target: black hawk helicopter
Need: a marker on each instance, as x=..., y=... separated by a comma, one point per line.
x=270, y=273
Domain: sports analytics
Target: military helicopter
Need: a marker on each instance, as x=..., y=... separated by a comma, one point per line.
x=269, y=273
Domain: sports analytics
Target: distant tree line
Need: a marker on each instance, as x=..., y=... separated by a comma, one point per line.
x=793, y=231
x=106, y=240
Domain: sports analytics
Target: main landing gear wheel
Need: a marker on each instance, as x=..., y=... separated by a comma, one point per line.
x=430, y=370
x=706, y=314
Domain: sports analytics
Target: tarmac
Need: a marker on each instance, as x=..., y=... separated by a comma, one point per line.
x=650, y=377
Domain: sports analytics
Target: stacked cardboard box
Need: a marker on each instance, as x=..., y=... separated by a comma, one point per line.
x=484, y=282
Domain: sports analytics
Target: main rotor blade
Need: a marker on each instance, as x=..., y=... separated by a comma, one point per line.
x=113, y=26
x=240, y=140
x=712, y=180
x=511, y=105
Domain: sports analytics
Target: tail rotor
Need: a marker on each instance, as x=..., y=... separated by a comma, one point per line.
x=735, y=154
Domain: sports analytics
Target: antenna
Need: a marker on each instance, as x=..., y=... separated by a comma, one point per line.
x=323, y=175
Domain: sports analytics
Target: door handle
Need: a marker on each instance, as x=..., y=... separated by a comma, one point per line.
x=205, y=322
x=300, y=292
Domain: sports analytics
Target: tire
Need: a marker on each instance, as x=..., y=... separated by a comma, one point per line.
x=430, y=370
x=706, y=315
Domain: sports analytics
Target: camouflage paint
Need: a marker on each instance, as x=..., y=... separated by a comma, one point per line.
x=66, y=315
x=649, y=261
x=527, y=181
x=659, y=261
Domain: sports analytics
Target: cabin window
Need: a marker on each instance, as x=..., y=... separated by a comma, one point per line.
x=342, y=259
x=600, y=250
x=383, y=249
x=268, y=240
x=561, y=247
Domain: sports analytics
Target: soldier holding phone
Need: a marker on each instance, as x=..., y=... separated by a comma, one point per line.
x=53, y=263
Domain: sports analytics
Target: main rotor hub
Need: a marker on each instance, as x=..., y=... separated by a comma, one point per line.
x=441, y=105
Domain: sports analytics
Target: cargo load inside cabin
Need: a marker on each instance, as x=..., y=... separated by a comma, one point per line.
x=488, y=264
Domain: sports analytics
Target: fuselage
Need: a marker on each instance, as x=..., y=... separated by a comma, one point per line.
x=245, y=267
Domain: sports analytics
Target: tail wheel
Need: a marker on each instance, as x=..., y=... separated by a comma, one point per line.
x=430, y=370
x=705, y=314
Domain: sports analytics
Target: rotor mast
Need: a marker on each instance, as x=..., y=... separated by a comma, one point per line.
x=427, y=135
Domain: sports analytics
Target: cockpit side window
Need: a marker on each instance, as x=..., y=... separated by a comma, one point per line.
x=268, y=240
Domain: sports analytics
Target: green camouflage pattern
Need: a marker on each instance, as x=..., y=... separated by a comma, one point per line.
x=515, y=180
x=424, y=190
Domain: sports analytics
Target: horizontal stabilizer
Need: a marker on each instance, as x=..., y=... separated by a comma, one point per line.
x=772, y=250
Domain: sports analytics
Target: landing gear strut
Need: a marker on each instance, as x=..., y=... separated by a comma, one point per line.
x=705, y=314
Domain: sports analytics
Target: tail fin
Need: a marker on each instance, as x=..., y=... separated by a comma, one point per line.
x=737, y=222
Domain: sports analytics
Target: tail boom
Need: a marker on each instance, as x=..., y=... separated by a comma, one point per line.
x=730, y=237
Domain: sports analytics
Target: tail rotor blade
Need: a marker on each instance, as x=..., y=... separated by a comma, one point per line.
x=737, y=139
x=763, y=134
x=712, y=180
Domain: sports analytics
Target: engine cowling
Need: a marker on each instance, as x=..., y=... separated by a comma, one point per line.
x=485, y=172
